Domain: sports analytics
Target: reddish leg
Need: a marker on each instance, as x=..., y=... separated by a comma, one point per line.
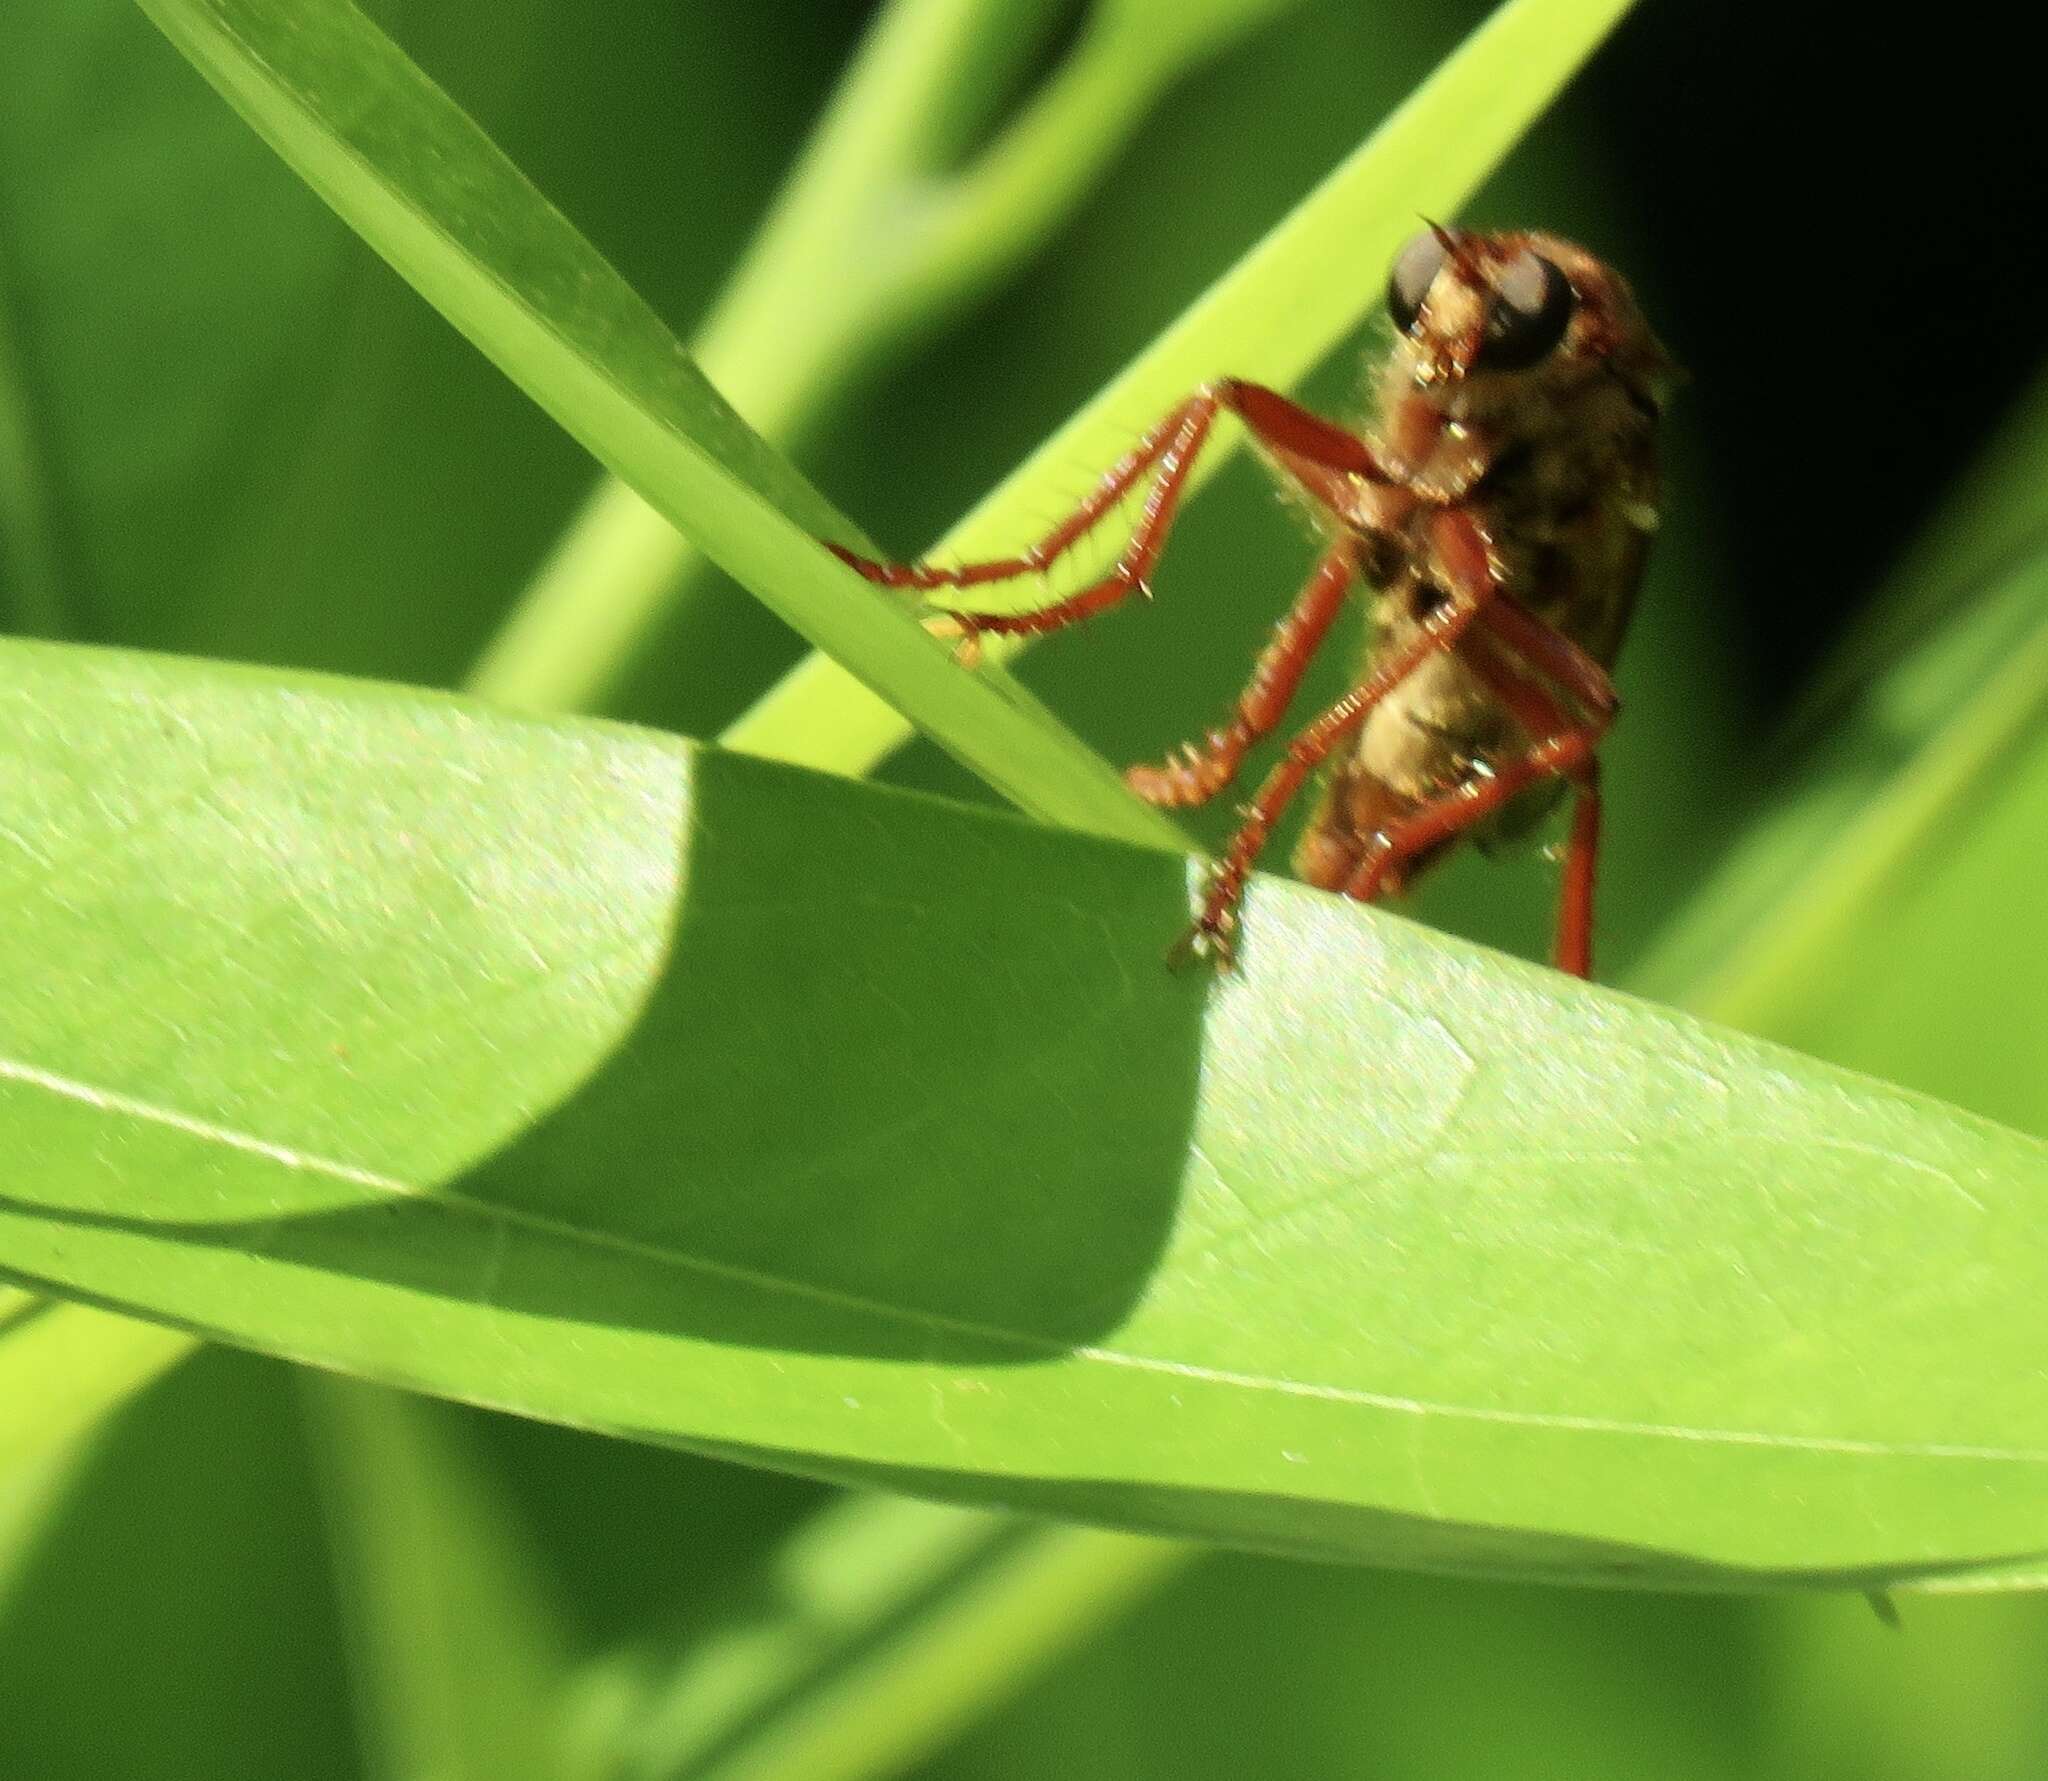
x=1195, y=774
x=1323, y=458
x=1560, y=747
x=1573, y=948
x=1571, y=669
x=1555, y=656
x=1465, y=559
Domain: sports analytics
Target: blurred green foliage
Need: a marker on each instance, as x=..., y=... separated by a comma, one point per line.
x=248, y=439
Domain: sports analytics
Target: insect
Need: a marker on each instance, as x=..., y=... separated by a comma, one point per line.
x=1497, y=513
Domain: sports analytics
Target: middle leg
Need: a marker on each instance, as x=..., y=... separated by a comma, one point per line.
x=1464, y=554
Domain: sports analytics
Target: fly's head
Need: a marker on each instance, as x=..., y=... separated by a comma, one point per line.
x=1516, y=328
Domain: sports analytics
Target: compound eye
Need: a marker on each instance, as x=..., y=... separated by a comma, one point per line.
x=1532, y=305
x=1415, y=270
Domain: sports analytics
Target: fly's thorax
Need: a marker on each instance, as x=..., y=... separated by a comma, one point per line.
x=1502, y=439
x=1565, y=491
x=1572, y=516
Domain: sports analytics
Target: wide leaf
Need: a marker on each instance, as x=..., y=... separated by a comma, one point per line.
x=587, y=1073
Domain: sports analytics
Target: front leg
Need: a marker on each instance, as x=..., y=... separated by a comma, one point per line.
x=1323, y=459
x=1196, y=773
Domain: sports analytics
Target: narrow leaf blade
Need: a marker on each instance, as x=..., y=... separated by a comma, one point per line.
x=402, y=165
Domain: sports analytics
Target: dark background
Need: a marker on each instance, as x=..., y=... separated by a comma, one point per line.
x=1842, y=222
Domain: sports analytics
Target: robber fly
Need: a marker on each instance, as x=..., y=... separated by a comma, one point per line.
x=1498, y=513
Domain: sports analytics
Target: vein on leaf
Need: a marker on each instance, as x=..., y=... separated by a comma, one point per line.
x=208, y=1131
x=104, y=1100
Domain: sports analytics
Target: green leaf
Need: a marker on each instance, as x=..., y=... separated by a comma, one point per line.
x=580, y=1072
x=1879, y=912
x=175, y=1617
x=159, y=277
x=62, y=1367
x=1246, y=1667
x=419, y=182
x=457, y=1658
x=889, y=1625
x=186, y=357
x=58, y=1374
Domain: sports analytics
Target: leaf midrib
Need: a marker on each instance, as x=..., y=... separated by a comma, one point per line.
x=640, y=1249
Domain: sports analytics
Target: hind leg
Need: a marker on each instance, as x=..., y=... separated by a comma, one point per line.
x=1559, y=746
x=1354, y=811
